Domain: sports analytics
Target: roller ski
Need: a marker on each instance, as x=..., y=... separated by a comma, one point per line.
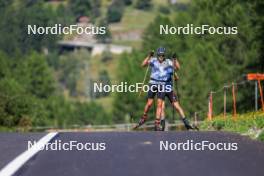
x=188, y=126
x=142, y=120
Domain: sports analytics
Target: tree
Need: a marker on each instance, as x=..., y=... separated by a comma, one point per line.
x=128, y=103
x=80, y=7
x=105, y=80
x=14, y=22
x=104, y=38
x=90, y=114
x=42, y=81
x=70, y=66
x=143, y=4
x=33, y=72
x=128, y=2
x=4, y=65
x=115, y=11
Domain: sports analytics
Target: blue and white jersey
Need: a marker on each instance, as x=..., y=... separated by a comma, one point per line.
x=161, y=72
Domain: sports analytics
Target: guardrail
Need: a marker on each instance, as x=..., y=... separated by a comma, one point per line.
x=115, y=127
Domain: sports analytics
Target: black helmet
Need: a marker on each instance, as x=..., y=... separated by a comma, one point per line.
x=160, y=51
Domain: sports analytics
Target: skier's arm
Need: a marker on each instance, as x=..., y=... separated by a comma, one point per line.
x=176, y=63
x=147, y=59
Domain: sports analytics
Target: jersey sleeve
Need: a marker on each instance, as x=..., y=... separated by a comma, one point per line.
x=151, y=61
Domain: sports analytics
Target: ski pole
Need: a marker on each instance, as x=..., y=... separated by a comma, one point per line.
x=144, y=80
x=151, y=53
x=173, y=110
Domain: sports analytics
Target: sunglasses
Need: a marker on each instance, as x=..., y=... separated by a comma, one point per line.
x=162, y=55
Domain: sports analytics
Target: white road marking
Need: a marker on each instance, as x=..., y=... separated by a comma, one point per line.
x=21, y=159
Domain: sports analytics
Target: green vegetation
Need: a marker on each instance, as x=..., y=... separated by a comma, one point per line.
x=208, y=61
x=261, y=136
x=140, y=20
x=89, y=8
x=143, y=4
x=247, y=124
x=29, y=96
x=39, y=86
x=105, y=38
x=115, y=11
x=32, y=84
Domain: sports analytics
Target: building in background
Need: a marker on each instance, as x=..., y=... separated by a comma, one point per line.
x=89, y=42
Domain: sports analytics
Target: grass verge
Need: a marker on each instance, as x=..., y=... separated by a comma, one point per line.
x=250, y=124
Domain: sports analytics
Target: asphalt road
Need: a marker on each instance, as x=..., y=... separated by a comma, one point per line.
x=12, y=144
x=138, y=153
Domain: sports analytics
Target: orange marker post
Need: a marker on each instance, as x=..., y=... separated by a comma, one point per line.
x=210, y=107
x=257, y=77
x=225, y=89
x=261, y=95
x=234, y=100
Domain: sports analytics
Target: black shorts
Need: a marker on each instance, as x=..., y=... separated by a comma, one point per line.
x=153, y=92
x=171, y=96
x=161, y=95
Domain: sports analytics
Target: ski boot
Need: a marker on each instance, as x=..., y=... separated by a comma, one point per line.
x=187, y=124
x=158, y=126
x=142, y=120
x=163, y=124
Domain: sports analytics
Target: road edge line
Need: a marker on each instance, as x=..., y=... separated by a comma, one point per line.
x=13, y=166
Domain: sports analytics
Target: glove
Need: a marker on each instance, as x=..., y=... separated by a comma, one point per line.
x=151, y=53
x=174, y=56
